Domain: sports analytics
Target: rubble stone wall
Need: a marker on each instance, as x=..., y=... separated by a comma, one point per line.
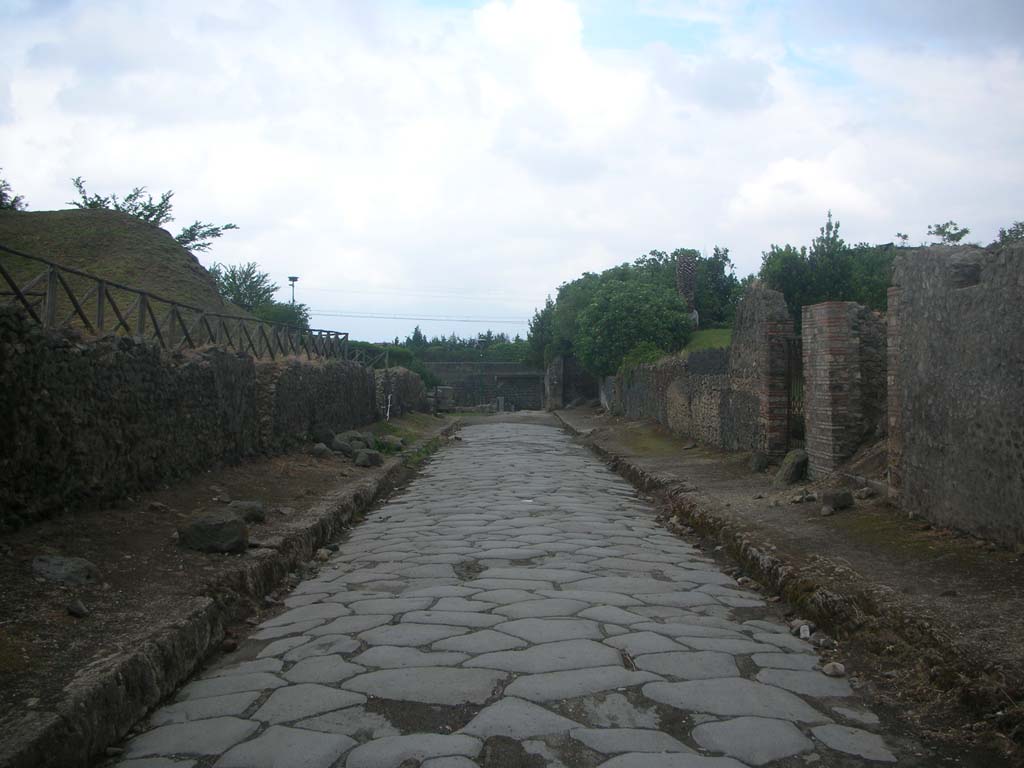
x=85, y=423
x=406, y=389
x=735, y=398
x=957, y=388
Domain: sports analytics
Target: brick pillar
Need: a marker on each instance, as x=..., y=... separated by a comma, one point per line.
x=844, y=390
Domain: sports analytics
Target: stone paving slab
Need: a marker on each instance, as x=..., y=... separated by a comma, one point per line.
x=516, y=590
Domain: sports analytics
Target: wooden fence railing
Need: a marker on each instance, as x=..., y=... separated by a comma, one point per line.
x=57, y=296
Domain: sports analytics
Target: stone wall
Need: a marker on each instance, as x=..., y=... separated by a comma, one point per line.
x=736, y=398
x=844, y=368
x=482, y=383
x=294, y=396
x=957, y=382
x=567, y=382
x=85, y=423
x=406, y=389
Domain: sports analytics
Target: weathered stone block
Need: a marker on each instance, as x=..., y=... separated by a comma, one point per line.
x=214, y=530
x=793, y=469
x=369, y=458
x=837, y=498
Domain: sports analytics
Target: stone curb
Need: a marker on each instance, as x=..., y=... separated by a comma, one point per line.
x=860, y=606
x=105, y=700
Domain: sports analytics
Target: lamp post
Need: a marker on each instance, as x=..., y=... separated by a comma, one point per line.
x=293, y=279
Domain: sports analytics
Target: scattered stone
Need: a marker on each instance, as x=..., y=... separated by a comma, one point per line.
x=67, y=570
x=229, y=645
x=827, y=511
x=322, y=433
x=949, y=593
x=390, y=443
x=339, y=445
x=77, y=609
x=214, y=530
x=369, y=458
x=834, y=669
x=156, y=506
x=758, y=495
x=865, y=493
x=758, y=461
x=820, y=640
x=323, y=555
x=792, y=470
x=250, y=511
x=837, y=498
x=321, y=451
x=358, y=444
x=800, y=498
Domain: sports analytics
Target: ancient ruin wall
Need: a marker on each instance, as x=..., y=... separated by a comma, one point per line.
x=86, y=423
x=736, y=399
x=482, y=383
x=958, y=376
x=844, y=381
x=294, y=396
x=405, y=389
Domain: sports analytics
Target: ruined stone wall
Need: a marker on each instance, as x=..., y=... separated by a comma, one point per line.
x=957, y=383
x=736, y=399
x=482, y=383
x=85, y=423
x=406, y=389
x=844, y=368
x=758, y=380
x=294, y=396
x=567, y=382
x=686, y=394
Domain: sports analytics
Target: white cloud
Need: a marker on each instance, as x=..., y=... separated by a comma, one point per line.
x=482, y=156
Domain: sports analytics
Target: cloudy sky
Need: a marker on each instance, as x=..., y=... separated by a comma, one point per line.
x=462, y=159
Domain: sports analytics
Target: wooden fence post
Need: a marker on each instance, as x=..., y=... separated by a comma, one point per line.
x=50, y=316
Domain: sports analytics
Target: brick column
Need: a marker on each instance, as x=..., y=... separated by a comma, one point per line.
x=843, y=381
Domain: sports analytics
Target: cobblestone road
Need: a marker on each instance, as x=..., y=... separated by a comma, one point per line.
x=517, y=605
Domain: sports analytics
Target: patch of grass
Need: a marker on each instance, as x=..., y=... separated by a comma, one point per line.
x=710, y=338
x=114, y=246
x=409, y=427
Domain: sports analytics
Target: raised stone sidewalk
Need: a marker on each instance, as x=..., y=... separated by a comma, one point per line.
x=517, y=605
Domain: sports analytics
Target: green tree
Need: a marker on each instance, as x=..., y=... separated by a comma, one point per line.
x=196, y=237
x=541, y=336
x=624, y=313
x=1010, y=235
x=718, y=289
x=284, y=313
x=8, y=200
x=949, y=233
x=244, y=285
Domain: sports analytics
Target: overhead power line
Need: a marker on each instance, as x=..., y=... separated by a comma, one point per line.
x=443, y=318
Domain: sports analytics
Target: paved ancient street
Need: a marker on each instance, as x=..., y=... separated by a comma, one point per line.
x=517, y=605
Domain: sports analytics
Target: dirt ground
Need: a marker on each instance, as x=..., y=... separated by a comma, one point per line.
x=960, y=676
x=146, y=580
